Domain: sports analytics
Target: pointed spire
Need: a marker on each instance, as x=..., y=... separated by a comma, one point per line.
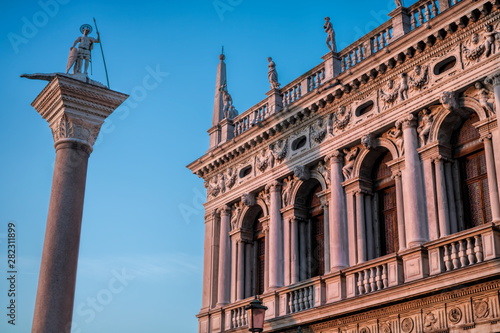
x=220, y=85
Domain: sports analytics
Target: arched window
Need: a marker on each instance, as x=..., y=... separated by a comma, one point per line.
x=469, y=153
x=386, y=226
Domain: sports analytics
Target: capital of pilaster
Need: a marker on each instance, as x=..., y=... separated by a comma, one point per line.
x=409, y=121
x=441, y=158
x=486, y=137
x=396, y=174
x=225, y=211
x=76, y=110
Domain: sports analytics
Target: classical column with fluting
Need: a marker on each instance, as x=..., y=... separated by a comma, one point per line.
x=75, y=111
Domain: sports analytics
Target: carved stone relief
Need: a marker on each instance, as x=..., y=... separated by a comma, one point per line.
x=389, y=94
x=424, y=126
x=324, y=170
x=418, y=78
x=473, y=49
x=302, y=172
x=264, y=160
x=395, y=134
x=350, y=157
x=279, y=149
x=318, y=131
x=482, y=91
x=288, y=185
x=341, y=118
x=369, y=141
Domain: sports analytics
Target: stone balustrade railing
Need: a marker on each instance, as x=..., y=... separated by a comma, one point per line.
x=458, y=251
x=462, y=250
x=300, y=299
x=238, y=317
x=422, y=12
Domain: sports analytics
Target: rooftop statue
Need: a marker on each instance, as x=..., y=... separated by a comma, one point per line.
x=330, y=39
x=82, y=54
x=399, y=3
x=272, y=74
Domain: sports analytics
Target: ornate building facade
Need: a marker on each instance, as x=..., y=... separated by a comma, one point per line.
x=364, y=195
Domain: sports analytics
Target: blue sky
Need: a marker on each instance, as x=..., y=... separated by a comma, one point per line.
x=140, y=265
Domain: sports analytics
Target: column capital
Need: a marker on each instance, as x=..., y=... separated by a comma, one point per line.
x=486, y=137
x=396, y=174
x=76, y=110
x=225, y=210
x=441, y=158
x=335, y=157
x=409, y=121
x=274, y=186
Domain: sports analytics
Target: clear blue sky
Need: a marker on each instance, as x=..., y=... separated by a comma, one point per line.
x=143, y=213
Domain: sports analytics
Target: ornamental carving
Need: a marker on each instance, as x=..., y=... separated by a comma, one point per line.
x=384, y=328
x=473, y=49
x=215, y=185
x=68, y=128
x=264, y=160
x=430, y=320
x=485, y=96
x=341, y=118
x=480, y=308
x=350, y=157
x=235, y=215
x=302, y=172
x=230, y=177
x=407, y=325
x=318, y=131
x=418, y=78
x=449, y=101
x=491, y=39
x=364, y=330
x=288, y=185
x=390, y=94
x=424, y=127
x=265, y=196
x=395, y=134
x=369, y=141
x=324, y=170
x=248, y=199
x=279, y=149
x=455, y=315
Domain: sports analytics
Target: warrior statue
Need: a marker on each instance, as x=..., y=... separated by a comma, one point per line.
x=85, y=45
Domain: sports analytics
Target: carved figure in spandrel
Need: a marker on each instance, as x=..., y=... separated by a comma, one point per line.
x=425, y=125
x=490, y=36
x=485, y=96
x=396, y=134
x=350, y=157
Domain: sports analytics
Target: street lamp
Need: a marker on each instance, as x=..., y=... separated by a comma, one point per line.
x=255, y=314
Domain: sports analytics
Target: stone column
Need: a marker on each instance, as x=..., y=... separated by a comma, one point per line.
x=492, y=178
x=287, y=256
x=275, y=237
x=451, y=197
x=414, y=203
x=224, y=257
x=240, y=277
x=75, y=111
x=400, y=210
x=302, y=253
x=234, y=269
x=495, y=79
x=337, y=217
x=326, y=233
x=442, y=195
x=351, y=229
x=294, y=245
x=360, y=226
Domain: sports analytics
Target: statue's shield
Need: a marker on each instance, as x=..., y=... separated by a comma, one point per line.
x=73, y=53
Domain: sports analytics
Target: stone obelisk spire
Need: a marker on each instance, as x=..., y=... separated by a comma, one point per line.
x=218, y=113
x=75, y=110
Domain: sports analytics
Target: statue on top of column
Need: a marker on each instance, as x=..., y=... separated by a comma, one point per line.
x=330, y=39
x=82, y=55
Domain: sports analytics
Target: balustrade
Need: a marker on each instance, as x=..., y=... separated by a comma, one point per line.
x=381, y=40
x=292, y=94
x=423, y=12
x=300, y=299
x=238, y=317
x=250, y=118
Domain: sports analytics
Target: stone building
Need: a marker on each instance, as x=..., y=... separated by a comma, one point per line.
x=364, y=195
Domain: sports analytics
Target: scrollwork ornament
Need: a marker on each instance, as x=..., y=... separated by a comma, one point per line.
x=279, y=149
x=318, y=131
x=407, y=325
x=341, y=118
x=455, y=315
x=364, y=330
x=481, y=309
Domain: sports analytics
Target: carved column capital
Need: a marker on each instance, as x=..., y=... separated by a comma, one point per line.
x=69, y=128
x=486, y=137
x=274, y=186
x=225, y=210
x=409, y=121
x=495, y=79
x=335, y=157
x=396, y=174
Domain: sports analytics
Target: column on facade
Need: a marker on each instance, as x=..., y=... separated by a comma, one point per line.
x=294, y=247
x=240, y=273
x=234, y=269
x=267, y=257
x=224, y=257
x=207, y=262
x=287, y=258
x=442, y=195
x=250, y=252
x=302, y=227
x=369, y=227
x=414, y=202
x=495, y=78
x=337, y=218
x=400, y=210
x=326, y=233
x=275, y=237
x=492, y=177
x=351, y=227
x=451, y=196
x=360, y=226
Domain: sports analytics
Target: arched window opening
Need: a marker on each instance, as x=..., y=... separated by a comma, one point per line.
x=471, y=159
x=386, y=226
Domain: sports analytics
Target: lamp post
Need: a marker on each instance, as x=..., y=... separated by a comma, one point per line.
x=255, y=314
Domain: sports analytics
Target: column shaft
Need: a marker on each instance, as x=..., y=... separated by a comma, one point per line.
x=224, y=258
x=492, y=179
x=360, y=227
x=275, y=238
x=337, y=217
x=56, y=284
x=400, y=212
x=351, y=229
x=240, y=282
x=442, y=195
x=295, y=250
